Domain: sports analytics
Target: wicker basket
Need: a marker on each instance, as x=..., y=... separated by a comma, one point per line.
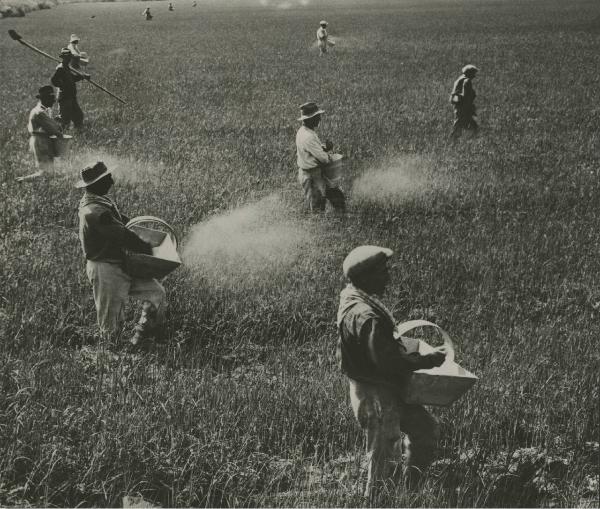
x=334, y=170
x=61, y=144
x=164, y=258
x=439, y=386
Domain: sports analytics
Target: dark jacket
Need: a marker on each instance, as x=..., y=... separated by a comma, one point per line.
x=464, y=92
x=103, y=233
x=367, y=350
x=65, y=81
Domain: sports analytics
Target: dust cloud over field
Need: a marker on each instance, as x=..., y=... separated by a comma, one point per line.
x=395, y=181
x=254, y=242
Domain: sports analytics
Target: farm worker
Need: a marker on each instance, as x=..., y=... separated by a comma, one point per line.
x=104, y=237
x=80, y=58
x=171, y=8
x=40, y=127
x=322, y=36
x=65, y=81
x=312, y=155
x=147, y=14
x=463, y=101
x=377, y=366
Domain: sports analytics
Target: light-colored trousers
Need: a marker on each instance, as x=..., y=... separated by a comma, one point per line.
x=384, y=417
x=43, y=151
x=113, y=287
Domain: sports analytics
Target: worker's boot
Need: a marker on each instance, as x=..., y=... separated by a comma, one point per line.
x=146, y=324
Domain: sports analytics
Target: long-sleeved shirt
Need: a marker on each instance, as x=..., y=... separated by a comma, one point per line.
x=41, y=122
x=103, y=233
x=309, y=149
x=65, y=81
x=322, y=36
x=367, y=350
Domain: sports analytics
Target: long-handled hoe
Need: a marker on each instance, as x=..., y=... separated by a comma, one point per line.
x=16, y=37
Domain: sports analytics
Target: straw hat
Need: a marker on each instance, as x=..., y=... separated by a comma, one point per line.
x=469, y=68
x=309, y=110
x=92, y=174
x=363, y=259
x=323, y=23
x=45, y=91
x=74, y=38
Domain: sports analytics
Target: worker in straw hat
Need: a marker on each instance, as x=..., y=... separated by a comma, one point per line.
x=104, y=239
x=463, y=101
x=377, y=366
x=312, y=156
x=322, y=38
x=65, y=80
x=41, y=126
x=79, y=58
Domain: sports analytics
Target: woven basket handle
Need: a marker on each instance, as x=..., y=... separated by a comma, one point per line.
x=152, y=219
x=405, y=327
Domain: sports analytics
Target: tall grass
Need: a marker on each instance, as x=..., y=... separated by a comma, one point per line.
x=243, y=405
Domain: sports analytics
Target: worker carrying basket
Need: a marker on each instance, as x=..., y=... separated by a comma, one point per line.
x=124, y=258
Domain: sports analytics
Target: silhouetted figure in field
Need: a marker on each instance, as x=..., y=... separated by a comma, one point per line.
x=65, y=81
x=463, y=102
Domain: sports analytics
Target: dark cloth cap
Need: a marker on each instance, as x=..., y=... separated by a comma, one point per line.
x=363, y=259
x=92, y=174
x=45, y=91
x=64, y=52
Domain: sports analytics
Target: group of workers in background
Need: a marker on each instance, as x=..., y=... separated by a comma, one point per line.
x=375, y=364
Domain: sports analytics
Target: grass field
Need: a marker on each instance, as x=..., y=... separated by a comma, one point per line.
x=496, y=240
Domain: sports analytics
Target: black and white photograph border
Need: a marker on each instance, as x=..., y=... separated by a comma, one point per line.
x=300, y=253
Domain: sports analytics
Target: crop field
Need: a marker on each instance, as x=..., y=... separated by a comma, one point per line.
x=496, y=239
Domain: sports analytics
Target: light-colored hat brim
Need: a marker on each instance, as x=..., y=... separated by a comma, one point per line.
x=82, y=183
x=318, y=112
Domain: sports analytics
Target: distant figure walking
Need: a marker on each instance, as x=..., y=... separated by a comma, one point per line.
x=65, y=81
x=147, y=14
x=377, y=366
x=171, y=8
x=80, y=59
x=322, y=38
x=40, y=127
x=463, y=102
x=312, y=156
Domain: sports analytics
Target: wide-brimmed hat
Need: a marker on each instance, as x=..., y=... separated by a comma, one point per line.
x=64, y=52
x=323, y=22
x=45, y=91
x=74, y=38
x=469, y=68
x=363, y=259
x=92, y=174
x=309, y=110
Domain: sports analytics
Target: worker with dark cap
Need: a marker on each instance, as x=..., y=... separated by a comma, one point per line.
x=41, y=126
x=312, y=156
x=377, y=366
x=463, y=101
x=65, y=80
x=104, y=239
